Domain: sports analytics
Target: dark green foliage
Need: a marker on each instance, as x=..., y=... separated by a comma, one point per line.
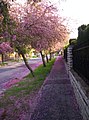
x=72, y=41
x=83, y=34
x=4, y=12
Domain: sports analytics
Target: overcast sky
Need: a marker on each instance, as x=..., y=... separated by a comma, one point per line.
x=76, y=10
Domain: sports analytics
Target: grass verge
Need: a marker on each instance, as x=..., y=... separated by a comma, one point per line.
x=15, y=102
x=3, y=64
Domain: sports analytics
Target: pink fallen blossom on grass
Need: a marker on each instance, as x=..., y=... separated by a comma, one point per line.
x=19, y=76
x=11, y=83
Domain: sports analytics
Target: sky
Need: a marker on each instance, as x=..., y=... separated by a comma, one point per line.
x=77, y=10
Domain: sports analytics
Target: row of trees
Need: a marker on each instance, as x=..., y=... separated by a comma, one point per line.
x=32, y=25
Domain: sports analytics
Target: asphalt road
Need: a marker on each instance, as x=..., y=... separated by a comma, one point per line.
x=16, y=70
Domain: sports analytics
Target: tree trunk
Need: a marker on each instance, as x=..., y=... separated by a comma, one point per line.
x=27, y=65
x=2, y=57
x=43, y=59
x=25, y=61
x=47, y=58
x=50, y=56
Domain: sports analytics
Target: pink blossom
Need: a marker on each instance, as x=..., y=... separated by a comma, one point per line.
x=10, y=83
x=40, y=26
x=5, y=47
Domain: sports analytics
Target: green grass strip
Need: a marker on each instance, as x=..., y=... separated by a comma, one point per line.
x=28, y=85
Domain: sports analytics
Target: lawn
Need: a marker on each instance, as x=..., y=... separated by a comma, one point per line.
x=18, y=101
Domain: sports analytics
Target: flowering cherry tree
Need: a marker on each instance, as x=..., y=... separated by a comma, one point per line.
x=36, y=25
x=48, y=32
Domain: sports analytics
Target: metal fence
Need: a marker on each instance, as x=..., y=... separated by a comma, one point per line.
x=81, y=60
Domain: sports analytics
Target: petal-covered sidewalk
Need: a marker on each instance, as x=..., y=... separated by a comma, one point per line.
x=56, y=99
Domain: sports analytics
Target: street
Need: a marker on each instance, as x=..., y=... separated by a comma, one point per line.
x=16, y=71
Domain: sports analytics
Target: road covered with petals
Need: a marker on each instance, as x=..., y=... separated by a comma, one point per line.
x=14, y=72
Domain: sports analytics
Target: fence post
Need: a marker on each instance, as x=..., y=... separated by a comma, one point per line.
x=70, y=55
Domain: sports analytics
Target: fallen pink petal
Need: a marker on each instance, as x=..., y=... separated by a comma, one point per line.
x=44, y=60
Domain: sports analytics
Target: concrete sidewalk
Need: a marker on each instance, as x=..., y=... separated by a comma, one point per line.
x=56, y=99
